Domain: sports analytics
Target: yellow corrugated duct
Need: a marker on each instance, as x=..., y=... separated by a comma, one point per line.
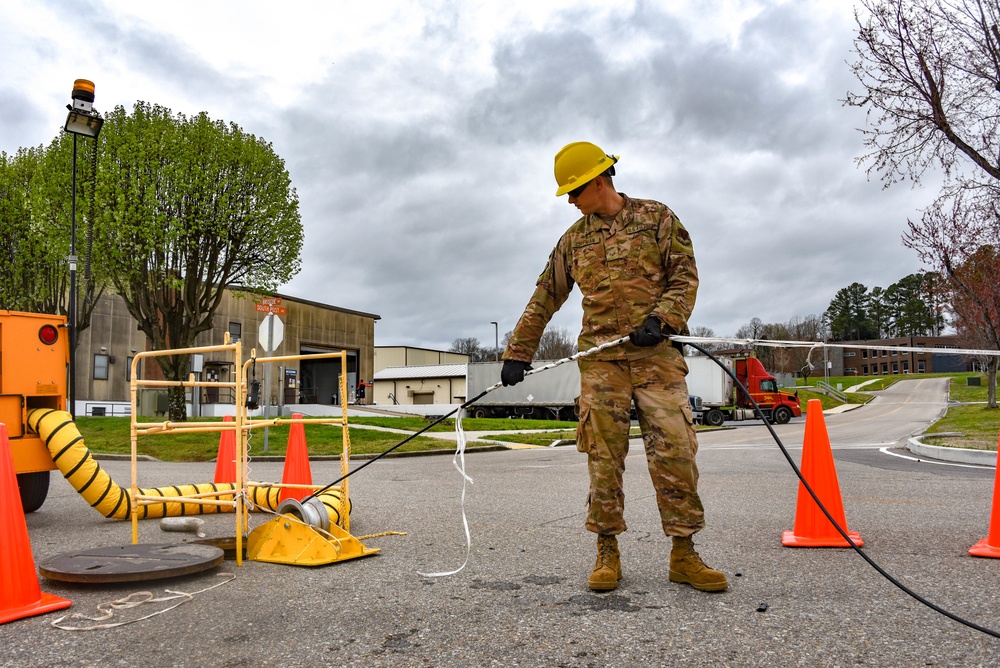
x=77, y=464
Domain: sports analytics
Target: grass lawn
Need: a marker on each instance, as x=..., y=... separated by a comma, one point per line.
x=978, y=426
x=110, y=435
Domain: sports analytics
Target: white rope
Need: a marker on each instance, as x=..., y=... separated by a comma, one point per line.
x=770, y=343
x=459, y=462
x=107, y=610
x=459, y=459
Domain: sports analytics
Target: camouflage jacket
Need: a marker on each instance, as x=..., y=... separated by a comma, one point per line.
x=641, y=264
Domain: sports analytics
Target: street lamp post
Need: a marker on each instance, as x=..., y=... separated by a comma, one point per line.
x=496, y=339
x=84, y=120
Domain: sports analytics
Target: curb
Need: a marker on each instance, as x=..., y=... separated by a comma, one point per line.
x=957, y=455
x=111, y=457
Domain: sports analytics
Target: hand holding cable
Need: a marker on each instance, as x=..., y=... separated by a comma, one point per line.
x=647, y=334
x=512, y=372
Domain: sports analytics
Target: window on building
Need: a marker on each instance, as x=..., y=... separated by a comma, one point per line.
x=864, y=354
x=850, y=369
x=885, y=369
x=895, y=367
x=864, y=370
x=906, y=366
x=920, y=366
x=235, y=332
x=128, y=369
x=100, y=367
x=848, y=353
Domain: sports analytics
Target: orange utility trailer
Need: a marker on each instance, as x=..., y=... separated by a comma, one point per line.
x=34, y=358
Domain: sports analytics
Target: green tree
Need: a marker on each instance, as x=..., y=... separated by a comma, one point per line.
x=188, y=208
x=912, y=309
x=35, y=228
x=848, y=314
x=27, y=265
x=879, y=313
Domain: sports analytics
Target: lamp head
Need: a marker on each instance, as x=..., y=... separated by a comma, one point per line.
x=83, y=119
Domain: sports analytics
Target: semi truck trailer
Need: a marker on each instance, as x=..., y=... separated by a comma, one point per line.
x=553, y=394
x=550, y=395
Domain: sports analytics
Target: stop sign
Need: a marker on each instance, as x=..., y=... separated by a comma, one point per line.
x=271, y=332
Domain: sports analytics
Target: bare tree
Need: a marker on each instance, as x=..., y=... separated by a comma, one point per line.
x=555, y=344
x=773, y=358
x=705, y=333
x=810, y=328
x=930, y=73
x=752, y=330
x=470, y=346
x=977, y=305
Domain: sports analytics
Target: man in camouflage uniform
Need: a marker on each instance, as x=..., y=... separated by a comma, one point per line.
x=634, y=263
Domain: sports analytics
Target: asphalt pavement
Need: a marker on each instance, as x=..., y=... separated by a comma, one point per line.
x=522, y=598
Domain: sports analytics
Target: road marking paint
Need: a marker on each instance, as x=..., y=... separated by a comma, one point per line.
x=924, y=460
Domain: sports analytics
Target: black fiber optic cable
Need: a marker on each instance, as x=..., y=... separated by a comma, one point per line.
x=871, y=562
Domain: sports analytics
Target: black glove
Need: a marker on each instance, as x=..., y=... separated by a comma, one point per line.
x=648, y=334
x=512, y=372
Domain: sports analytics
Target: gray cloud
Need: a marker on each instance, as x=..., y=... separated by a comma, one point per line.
x=426, y=182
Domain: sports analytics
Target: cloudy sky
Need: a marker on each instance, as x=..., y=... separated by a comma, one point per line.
x=420, y=137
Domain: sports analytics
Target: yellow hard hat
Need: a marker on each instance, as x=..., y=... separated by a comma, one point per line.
x=578, y=163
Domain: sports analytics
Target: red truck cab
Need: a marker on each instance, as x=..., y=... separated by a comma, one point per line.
x=778, y=406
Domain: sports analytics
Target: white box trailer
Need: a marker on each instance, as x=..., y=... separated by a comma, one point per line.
x=706, y=380
x=551, y=394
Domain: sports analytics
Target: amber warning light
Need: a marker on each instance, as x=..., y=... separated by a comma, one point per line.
x=48, y=334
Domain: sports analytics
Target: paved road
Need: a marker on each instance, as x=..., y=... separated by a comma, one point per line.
x=522, y=599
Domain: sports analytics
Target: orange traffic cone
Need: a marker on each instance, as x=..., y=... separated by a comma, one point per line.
x=296, y=470
x=225, y=463
x=812, y=528
x=20, y=594
x=990, y=546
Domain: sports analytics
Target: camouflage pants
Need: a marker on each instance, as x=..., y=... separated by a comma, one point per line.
x=657, y=386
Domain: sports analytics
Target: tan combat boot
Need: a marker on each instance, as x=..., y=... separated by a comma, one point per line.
x=608, y=569
x=686, y=567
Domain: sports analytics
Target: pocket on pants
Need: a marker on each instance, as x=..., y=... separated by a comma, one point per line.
x=584, y=432
x=688, y=414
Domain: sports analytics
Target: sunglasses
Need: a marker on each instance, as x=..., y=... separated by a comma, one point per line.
x=576, y=192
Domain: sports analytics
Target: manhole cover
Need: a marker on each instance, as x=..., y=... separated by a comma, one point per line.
x=131, y=563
